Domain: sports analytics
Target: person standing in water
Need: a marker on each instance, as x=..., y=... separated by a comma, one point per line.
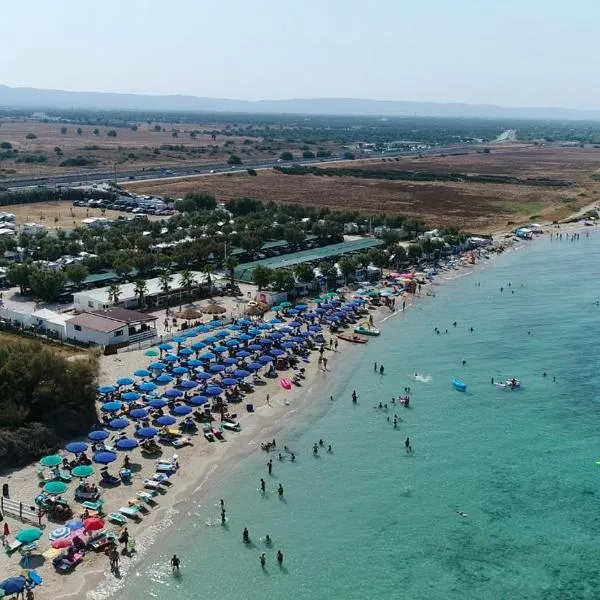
x=175, y=563
x=262, y=485
x=246, y=536
x=280, y=491
x=375, y=367
x=270, y=466
x=354, y=396
x=407, y=445
x=381, y=370
x=263, y=560
x=280, y=557
x=222, y=516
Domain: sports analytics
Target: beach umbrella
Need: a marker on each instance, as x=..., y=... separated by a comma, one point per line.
x=82, y=471
x=215, y=323
x=182, y=410
x=214, y=390
x=315, y=328
x=126, y=444
x=255, y=331
x=275, y=335
x=59, y=532
x=241, y=373
x=229, y=361
x=229, y=381
x=254, y=366
x=166, y=420
x=55, y=487
x=222, y=333
x=172, y=393
x=276, y=352
x=219, y=349
x=179, y=340
x=104, y=457
x=164, y=379
x=13, y=585
x=165, y=346
x=245, y=322
x=301, y=307
x=142, y=373
x=147, y=386
x=242, y=354
x=107, y=389
x=232, y=343
x=112, y=406
x=295, y=324
x=52, y=460
x=188, y=384
x=130, y=396
x=198, y=346
x=170, y=358
x=208, y=356
x=245, y=337
x=125, y=381
x=288, y=345
x=292, y=311
x=275, y=321
x=157, y=403
x=217, y=368
x=214, y=309
x=76, y=447
x=151, y=353
x=93, y=524
x=189, y=313
x=186, y=352
x=75, y=524
x=254, y=347
x=138, y=413
x=265, y=326
x=285, y=304
x=296, y=339
x=64, y=542
x=319, y=310
x=311, y=315
x=119, y=423
x=194, y=362
x=265, y=342
x=180, y=370
x=146, y=432
x=98, y=435
x=202, y=329
x=286, y=330
x=198, y=400
x=303, y=334
x=28, y=535
x=265, y=359
x=234, y=327
x=204, y=375
x=157, y=366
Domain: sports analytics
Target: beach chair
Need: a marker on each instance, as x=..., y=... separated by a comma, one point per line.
x=147, y=497
x=117, y=518
x=64, y=475
x=101, y=540
x=181, y=441
x=150, y=484
x=109, y=479
x=130, y=512
x=137, y=505
x=44, y=476
x=95, y=506
x=161, y=478
x=12, y=547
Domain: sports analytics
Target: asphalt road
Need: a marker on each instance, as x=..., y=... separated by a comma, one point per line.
x=123, y=176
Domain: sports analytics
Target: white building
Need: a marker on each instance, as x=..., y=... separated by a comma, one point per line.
x=33, y=228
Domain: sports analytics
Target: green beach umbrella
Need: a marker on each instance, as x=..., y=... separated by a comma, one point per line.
x=82, y=471
x=286, y=304
x=28, y=535
x=56, y=487
x=151, y=353
x=317, y=300
x=51, y=460
x=277, y=308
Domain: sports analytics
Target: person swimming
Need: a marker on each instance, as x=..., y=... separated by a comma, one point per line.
x=268, y=540
x=293, y=457
x=462, y=514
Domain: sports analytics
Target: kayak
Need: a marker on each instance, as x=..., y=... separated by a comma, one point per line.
x=285, y=384
x=459, y=385
x=366, y=330
x=356, y=339
x=511, y=384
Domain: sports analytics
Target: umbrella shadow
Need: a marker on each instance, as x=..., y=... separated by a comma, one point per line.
x=33, y=562
x=135, y=467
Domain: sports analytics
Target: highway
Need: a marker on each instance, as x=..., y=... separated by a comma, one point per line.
x=129, y=175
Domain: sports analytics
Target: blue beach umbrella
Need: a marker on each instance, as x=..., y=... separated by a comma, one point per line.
x=214, y=390
x=138, y=413
x=208, y=356
x=171, y=358
x=173, y=393
x=254, y=347
x=157, y=366
x=75, y=524
x=241, y=373
x=315, y=328
x=188, y=384
x=245, y=322
x=211, y=339
x=319, y=310
x=288, y=345
x=165, y=346
x=303, y=334
x=147, y=386
x=232, y=343
x=166, y=420
x=179, y=339
x=157, y=403
x=275, y=335
x=198, y=400
x=13, y=585
x=265, y=359
x=245, y=337
x=164, y=379
x=194, y=362
x=182, y=410
x=215, y=323
x=203, y=329
x=130, y=396
x=190, y=334
x=119, y=423
x=275, y=321
x=104, y=458
x=204, y=375
x=265, y=326
x=229, y=361
x=142, y=373
x=301, y=307
x=276, y=352
x=234, y=327
x=254, y=366
x=296, y=339
x=217, y=368
x=180, y=370
x=59, y=533
x=98, y=435
x=295, y=324
x=126, y=444
x=198, y=345
x=146, y=432
x=255, y=331
x=242, y=354
x=125, y=381
x=107, y=389
x=229, y=381
x=265, y=342
x=219, y=349
x=222, y=333
x=311, y=315
x=112, y=406
x=293, y=311
x=286, y=329
x=186, y=352
x=76, y=447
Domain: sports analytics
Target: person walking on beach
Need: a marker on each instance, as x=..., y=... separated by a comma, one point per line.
x=280, y=557
x=175, y=563
x=335, y=345
x=270, y=466
x=113, y=557
x=324, y=363
x=268, y=400
x=262, y=485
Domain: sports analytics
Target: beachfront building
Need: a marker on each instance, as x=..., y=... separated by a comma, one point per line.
x=155, y=295
x=111, y=327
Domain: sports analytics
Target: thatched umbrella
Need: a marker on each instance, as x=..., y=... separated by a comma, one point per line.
x=213, y=309
x=189, y=313
x=254, y=311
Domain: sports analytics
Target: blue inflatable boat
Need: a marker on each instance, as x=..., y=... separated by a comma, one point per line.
x=459, y=385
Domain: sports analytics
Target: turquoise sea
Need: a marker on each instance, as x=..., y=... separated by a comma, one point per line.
x=370, y=520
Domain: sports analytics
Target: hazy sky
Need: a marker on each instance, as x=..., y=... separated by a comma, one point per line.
x=507, y=52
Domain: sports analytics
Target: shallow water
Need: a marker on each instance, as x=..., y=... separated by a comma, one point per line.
x=370, y=520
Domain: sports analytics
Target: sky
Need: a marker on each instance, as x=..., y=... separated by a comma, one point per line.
x=504, y=52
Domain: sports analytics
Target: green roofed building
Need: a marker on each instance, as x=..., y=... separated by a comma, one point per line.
x=243, y=272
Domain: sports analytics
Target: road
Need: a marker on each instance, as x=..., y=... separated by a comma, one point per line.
x=89, y=177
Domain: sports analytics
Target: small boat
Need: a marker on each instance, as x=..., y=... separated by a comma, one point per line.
x=356, y=339
x=459, y=385
x=511, y=384
x=366, y=329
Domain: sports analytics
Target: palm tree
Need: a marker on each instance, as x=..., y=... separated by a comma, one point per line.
x=231, y=262
x=188, y=281
x=208, y=271
x=140, y=289
x=165, y=283
x=114, y=291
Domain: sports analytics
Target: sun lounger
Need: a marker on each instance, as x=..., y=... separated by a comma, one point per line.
x=181, y=441
x=109, y=479
x=136, y=504
x=161, y=478
x=146, y=497
x=101, y=540
x=117, y=518
x=44, y=476
x=165, y=468
x=96, y=505
x=130, y=512
x=64, y=475
x=152, y=485
x=11, y=547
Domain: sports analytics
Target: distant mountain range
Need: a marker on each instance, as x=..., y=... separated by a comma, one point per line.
x=47, y=99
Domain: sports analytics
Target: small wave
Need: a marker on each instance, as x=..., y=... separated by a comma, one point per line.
x=423, y=378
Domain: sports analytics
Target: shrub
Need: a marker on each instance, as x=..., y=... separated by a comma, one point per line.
x=31, y=136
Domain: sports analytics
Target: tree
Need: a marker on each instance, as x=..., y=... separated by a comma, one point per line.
x=347, y=266
x=243, y=206
x=251, y=242
x=286, y=156
x=31, y=136
x=231, y=262
x=76, y=273
x=251, y=172
x=63, y=130
x=79, y=131
x=294, y=237
x=349, y=156
x=46, y=284
x=18, y=274
x=323, y=153
x=284, y=280
x=134, y=127
x=329, y=273
x=308, y=154
x=96, y=131
x=208, y=271
x=195, y=201
x=114, y=292
x=414, y=251
x=140, y=289
x=304, y=273
x=121, y=266
x=234, y=159
x=5, y=145
x=188, y=281
x=111, y=133
x=262, y=276
x=165, y=283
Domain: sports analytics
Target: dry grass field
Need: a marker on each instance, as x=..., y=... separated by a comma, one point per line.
x=476, y=206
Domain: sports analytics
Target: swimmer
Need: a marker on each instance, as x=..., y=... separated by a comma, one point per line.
x=393, y=400
x=464, y=362
x=321, y=443
x=315, y=449
x=331, y=398
x=462, y=514
x=381, y=370
x=222, y=503
x=492, y=381
x=223, y=516
x=280, y=456
x=268, y=540
x=270, y=466
x=329, y=449
x=293, y=457
x=374, y=367
x=354, y=396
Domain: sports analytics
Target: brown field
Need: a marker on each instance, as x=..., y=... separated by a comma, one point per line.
x=58, y=215
x=475, y=206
